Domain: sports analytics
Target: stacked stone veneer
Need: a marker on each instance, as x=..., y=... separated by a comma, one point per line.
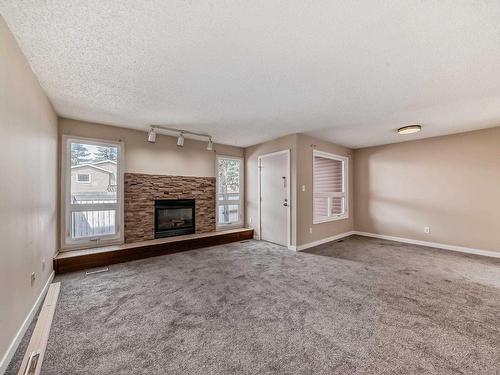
x=141, y=190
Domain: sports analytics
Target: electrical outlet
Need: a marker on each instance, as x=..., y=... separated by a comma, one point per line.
x=310, y=230
x=303, y=187
x=427, y=230
x=43, y=265
x=250, y=220
x=33, y=278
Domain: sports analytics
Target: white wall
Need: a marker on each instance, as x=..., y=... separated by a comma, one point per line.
x=28, y=190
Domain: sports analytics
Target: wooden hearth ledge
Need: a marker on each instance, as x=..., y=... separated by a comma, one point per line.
x=76, y=260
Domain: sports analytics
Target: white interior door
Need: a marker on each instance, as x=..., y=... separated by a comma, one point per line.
x=275, y=197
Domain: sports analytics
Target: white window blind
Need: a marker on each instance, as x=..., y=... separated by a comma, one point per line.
x=329, y=187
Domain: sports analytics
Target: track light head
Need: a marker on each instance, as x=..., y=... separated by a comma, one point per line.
x=180, y=140
x=152, y=135
x=210, y=145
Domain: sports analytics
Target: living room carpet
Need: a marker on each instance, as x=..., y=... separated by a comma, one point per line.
x=358, y=306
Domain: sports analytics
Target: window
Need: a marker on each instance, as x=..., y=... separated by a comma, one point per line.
x=83, y=178
x=91, y=193
x=229, y=191
x=330, y=187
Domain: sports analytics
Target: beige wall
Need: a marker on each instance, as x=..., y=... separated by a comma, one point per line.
x=28, y=204
x=252, y=154
x=450, y=183
x=305, y=147
x=162, y=157
x=301, y=174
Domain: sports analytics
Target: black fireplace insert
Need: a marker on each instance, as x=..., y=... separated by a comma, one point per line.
x=174, y=217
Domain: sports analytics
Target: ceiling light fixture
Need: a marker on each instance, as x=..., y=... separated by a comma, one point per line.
x=154, y=130
x=152, y=135
x=210, y=145
x=180, y=140
x=409, y=129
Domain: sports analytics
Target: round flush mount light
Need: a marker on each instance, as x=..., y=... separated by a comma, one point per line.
x=410, y=129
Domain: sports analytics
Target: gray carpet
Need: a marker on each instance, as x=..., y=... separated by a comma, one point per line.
x=360, y=306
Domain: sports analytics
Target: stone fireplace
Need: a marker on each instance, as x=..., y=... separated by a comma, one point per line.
x=143, y=191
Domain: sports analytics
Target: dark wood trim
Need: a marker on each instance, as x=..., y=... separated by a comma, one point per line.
x=66, y=262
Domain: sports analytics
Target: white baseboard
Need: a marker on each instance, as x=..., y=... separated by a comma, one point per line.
x=4, y=363
x=322, y=241
x=461, y=249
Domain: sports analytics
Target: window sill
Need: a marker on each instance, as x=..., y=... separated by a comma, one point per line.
x=221, y=227
x=329, y=219
x=75, y=245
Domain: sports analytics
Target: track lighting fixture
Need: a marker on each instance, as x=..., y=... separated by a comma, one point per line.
x=210, y=145
x=180, y=140
x=154, y=129
x=152, y=135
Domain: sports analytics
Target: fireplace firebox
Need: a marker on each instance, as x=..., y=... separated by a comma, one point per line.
x=174, y=217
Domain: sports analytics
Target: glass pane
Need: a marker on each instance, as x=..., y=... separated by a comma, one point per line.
x=229, y=178
x=324, y=209
x=92, y=223
x=174, y=218
x=336, y=206
x=328, y=176
x=229, y=171
x=229, y=197
x=229, y=214
x=93, y=173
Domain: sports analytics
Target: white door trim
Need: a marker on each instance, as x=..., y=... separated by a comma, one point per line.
x=289, y=193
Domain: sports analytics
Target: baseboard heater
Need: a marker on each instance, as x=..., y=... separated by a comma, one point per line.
x=32, y=361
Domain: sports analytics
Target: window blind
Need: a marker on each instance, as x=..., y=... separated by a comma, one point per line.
x=328, y=187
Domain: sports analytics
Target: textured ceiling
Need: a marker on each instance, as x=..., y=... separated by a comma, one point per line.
x=249, y=71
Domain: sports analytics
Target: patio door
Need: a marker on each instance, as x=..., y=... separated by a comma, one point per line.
x=91, y=192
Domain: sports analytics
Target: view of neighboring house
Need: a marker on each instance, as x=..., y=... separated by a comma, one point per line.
x=93, y=181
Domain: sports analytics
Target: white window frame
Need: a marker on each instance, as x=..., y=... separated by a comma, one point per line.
x=83, y=174
x=345, y=187
x=240, y=202
x=68, y=243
